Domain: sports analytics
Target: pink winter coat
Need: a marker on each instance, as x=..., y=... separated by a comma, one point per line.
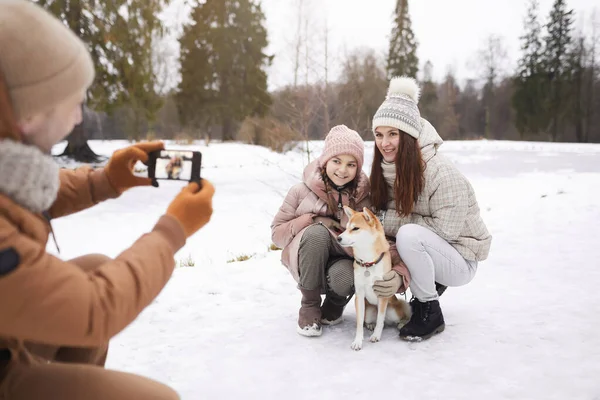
x=304, y=201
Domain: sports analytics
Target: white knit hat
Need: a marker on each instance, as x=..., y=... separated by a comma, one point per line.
x=43, y=61
x=399, y=109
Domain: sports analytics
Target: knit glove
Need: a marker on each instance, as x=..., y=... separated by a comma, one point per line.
x=192, y=207
x=329, y=223
x=119, y=169
x=389, y=285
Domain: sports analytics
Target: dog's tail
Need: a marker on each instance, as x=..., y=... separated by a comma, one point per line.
x=401, y=307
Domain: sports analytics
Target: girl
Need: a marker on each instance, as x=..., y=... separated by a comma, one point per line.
x=427, y=204
x=309, y=221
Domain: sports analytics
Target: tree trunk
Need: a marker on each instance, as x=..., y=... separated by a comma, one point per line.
x=77, y=145
x=578, y=74
x=227, y=129
x=578, y=109
x=555, y=113
x=487, y=129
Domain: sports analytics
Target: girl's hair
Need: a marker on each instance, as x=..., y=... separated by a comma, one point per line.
x=9, y=128
x=410, y=176
x=332, y=201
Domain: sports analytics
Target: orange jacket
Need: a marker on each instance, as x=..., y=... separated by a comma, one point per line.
x=48, y=300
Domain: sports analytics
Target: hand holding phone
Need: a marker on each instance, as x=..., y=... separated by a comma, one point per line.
x=120, y=168
x=192, y=207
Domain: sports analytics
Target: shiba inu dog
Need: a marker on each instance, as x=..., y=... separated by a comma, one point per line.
x=364, y=233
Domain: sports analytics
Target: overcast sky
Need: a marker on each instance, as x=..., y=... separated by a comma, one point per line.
x=449, y=32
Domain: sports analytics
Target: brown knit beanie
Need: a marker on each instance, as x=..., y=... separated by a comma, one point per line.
x=43, y=61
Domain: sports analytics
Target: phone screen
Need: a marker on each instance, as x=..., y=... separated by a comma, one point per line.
x=171, y=164
x=182, y=165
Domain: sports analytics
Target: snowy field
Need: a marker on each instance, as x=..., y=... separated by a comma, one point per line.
x=527, y=326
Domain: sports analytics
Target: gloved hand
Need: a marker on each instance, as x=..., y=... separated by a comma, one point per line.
x=192, y=207
x=329, y=223
x=119, y=169
x=389, y=285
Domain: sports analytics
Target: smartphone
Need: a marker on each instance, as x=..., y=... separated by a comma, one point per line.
x=182, y=165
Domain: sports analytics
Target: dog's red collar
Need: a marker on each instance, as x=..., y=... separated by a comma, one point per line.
x=368, y=264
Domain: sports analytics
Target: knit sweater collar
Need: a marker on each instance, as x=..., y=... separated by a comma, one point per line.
x=27, y=176
x=389, y=174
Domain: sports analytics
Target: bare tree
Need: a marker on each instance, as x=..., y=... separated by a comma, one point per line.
x=593, y=72
x=428, y=100
x=471, y=111
x=362, y=89
x=448, y=95
x=298, y=40
x=298, y=108
x=168, y=123
x=576, y=87
x=306, y=103
x=163, y=65
x=492, y=65
x=492, y=59
x=325, y=97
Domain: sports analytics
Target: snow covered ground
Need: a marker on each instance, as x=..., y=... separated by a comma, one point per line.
x=527, y=327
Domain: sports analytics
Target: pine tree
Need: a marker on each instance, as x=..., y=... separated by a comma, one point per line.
x=136, y=26
x=491, y=56
x=529, y=98
x=223, y=78
x=471, y=110
x=119, y=35
x=556, y=64
x=402, y=56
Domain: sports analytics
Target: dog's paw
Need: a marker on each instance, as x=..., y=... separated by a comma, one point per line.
x=374, y=338
x=356, y=345
x=370, y=326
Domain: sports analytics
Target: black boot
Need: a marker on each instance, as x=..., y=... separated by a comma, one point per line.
x=426, y=321
x=333, y=308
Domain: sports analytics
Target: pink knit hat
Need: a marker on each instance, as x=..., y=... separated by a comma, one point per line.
x=343, y=140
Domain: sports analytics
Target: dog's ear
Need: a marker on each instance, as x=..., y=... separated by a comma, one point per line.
x=369, y=216
x=349, y=212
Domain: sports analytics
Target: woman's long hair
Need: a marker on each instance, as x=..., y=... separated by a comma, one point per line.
x=410, y=176
x=9, y=128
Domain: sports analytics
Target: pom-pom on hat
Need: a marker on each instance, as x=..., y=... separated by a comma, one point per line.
x=399, y=109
